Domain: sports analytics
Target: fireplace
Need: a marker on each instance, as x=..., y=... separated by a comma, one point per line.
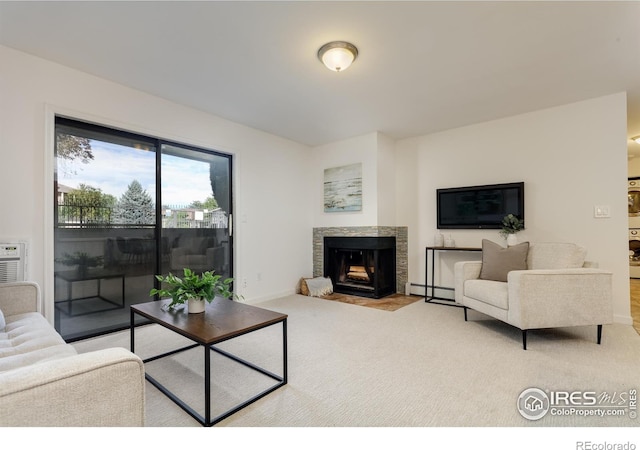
x=364, y=266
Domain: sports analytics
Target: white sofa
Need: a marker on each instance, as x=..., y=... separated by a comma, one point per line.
x=556, y=287
x=45, y=382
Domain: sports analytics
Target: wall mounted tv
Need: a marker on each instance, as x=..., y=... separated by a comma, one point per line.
x=478, y=207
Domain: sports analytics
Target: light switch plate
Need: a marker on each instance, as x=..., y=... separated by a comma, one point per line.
x=601, y=211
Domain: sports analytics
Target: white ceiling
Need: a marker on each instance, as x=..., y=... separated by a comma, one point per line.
x=423, y=66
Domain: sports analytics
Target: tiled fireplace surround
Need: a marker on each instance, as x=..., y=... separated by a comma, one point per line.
x=400, y=233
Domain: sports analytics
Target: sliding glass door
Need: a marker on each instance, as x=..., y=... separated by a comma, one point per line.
x=196, y=214
x=128, y=207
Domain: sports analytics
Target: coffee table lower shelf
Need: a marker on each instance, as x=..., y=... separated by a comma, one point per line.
x=207, y=420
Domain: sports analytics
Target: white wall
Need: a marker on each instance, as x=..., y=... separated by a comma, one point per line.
x=376, y=152
x=634, y=167
x=570, y=157
x=360, y=149
x=386, y=182
x=270, y=189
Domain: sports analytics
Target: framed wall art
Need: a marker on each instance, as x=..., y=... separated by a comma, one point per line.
x=343, y=188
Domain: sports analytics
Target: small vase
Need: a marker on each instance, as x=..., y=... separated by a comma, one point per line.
x=195, y=305
x=512, y=239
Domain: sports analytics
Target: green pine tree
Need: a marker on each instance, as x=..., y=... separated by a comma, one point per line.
x=135, y=207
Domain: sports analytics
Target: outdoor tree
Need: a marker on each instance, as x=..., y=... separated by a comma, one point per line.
x=210, y=203
x=70, y=148
x=87, y=204
x=135, y=207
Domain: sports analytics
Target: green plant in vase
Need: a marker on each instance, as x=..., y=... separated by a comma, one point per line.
x=510, y=226
x=194, y=289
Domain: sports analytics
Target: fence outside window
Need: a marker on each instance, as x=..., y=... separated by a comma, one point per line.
x=77, y=215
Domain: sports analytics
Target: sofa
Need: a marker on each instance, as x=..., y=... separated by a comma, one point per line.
x=43, y=380
x=542, y=285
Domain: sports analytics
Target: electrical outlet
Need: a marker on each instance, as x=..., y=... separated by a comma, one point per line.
x=244, y=282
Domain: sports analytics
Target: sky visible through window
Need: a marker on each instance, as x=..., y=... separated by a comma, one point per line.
x=115, y=166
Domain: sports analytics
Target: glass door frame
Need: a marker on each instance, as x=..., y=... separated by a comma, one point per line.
x=52, y=118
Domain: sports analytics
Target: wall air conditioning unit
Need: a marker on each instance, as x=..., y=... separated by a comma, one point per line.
x=13, y=262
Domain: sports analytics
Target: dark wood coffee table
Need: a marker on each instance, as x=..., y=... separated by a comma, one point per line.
x=221, y=321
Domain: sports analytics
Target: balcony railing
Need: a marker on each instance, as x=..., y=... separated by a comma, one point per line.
x=75, y=215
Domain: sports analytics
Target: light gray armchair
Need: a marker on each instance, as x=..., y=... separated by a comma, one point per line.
x=552, y=287
x=198, y=254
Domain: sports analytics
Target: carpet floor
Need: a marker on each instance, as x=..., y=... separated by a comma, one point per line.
x=422, y=366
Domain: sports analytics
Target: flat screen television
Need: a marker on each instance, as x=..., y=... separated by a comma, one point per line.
x=478, y=207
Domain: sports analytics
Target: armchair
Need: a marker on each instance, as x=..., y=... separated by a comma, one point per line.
x=197, y=253
x=554, y=287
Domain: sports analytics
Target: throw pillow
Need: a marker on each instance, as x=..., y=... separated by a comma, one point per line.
x=3, y=323
x=319, y=286
x=498, y=261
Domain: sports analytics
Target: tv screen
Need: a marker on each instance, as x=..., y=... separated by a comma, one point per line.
x=476, y=207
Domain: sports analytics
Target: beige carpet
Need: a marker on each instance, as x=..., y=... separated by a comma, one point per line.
x=389, y=303
x=421, y=366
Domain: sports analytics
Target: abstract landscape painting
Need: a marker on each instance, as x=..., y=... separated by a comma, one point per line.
x=343, y=188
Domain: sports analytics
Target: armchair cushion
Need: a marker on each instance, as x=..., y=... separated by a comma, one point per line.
x=554, y=255
x=494, y=293
x=498, y=261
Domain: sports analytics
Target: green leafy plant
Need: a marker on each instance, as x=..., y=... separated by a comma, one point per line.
x=511, y=225
x=81, y=259
x=207, y=286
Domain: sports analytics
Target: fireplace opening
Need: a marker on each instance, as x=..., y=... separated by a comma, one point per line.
x=364, y=266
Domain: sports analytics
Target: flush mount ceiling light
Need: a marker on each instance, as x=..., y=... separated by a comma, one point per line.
x=636, y=139
x=337, y=55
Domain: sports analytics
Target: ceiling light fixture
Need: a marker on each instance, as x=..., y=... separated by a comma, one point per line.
x=636, y=139
x=337, y=55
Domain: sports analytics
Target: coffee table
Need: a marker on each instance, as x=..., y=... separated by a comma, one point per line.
x=222, y=320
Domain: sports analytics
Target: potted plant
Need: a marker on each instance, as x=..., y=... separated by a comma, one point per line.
x=510, y=226
x=82, y=260
x=194, y=289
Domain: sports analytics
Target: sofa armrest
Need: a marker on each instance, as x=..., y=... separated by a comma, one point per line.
x=559, y=298
x=463, y=271
x=101, y=388
x=19, y=298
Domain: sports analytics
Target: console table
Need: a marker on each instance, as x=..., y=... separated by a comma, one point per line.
x=433, y=250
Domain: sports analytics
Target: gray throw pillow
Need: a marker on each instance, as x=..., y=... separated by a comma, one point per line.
x=498, y=261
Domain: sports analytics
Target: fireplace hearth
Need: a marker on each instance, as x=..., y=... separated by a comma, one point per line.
x=364, y=266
